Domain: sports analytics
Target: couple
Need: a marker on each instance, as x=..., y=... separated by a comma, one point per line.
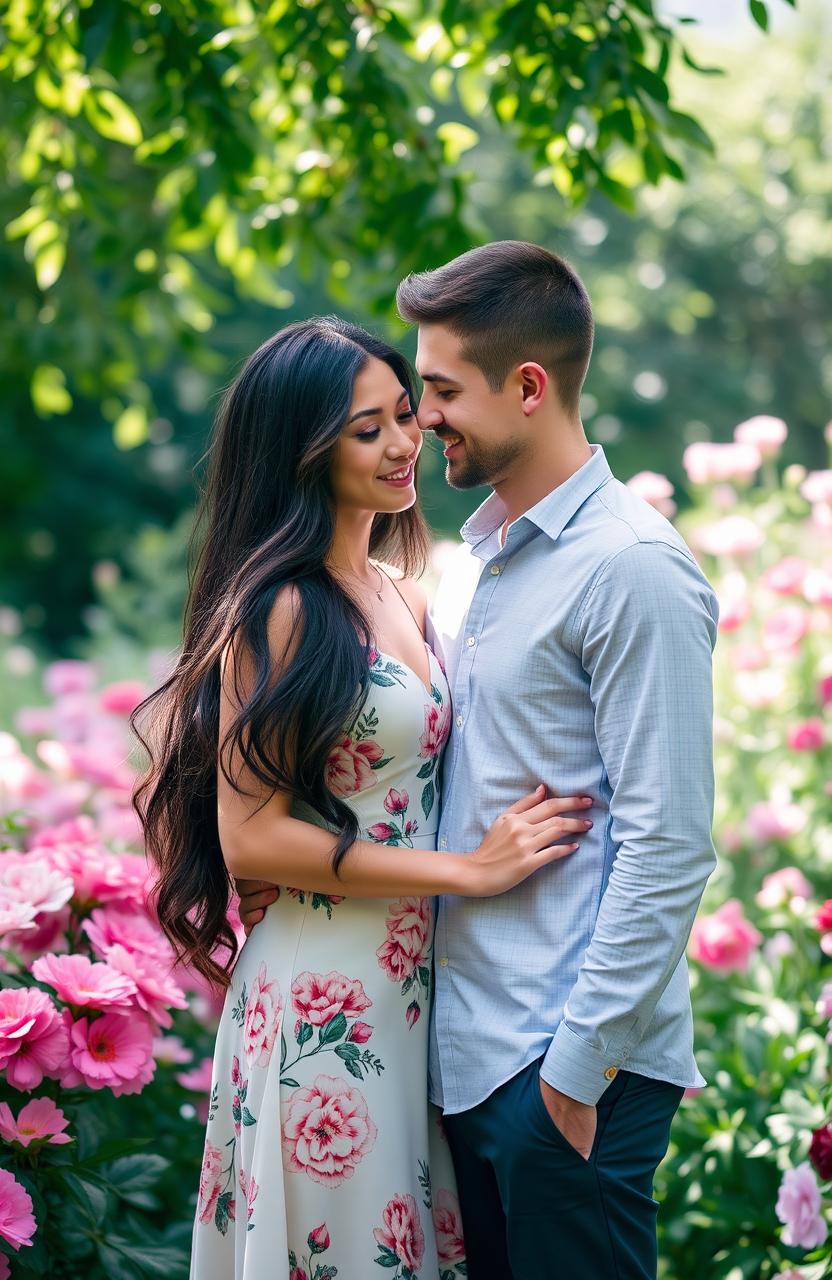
x=566, y=833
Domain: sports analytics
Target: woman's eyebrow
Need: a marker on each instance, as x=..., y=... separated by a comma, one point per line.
x=369, y=413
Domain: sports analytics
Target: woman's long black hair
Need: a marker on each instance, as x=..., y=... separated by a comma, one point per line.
x=268, y=517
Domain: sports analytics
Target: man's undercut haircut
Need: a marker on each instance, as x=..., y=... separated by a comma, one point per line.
x=509, y=302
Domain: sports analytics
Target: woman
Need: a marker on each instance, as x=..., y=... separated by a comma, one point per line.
x=306, y=678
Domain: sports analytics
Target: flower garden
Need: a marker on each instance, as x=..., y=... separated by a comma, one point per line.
x=105, y=1043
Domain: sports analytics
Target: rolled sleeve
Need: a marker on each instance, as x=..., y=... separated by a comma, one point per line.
x=645, y=635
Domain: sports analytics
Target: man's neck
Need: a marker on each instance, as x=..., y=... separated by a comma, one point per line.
x=521, y=490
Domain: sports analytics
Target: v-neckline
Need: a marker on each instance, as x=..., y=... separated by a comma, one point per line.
x=412, y=670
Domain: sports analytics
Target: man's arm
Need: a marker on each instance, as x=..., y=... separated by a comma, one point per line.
x=645, y=634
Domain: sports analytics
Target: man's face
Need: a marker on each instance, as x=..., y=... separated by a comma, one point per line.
x=484, y=432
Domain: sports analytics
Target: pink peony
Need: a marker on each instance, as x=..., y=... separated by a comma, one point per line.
x=111, y=1052
x=799, y=1208
x=786, y=577
x=654, y=488
x=210, y=1181
x=708, y=463
x=437, y=728
x=817, y=586
x=15, y=916
x=122, y=698
x=809, y=735
x=199, y=1078
x=131, y=929
x=408, y=937
x=155, y=990
x=396, y=801
x=261, y=1020
x=447, y=1223
x=724, y=941
x=34, y=881
x=825, y=691
x=79, y=981
x=101, y=876
x=817, y=487
x=734, y=604
x=68, y=676
x=731, y=536
x=17, y=1221
x=319, y=997
x=350, y=766
x=249, y=1188
x=380, y=831
x=767, y=821
x=327, y=1130
x=38, y=1121
x=32, y=1037
x=781, y=886
x=765, y=434
x=402, y=1231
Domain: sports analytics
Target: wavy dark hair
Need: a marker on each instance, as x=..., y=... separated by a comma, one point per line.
x=265, y=522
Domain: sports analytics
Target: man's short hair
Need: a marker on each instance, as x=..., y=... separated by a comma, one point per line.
x=509, y=301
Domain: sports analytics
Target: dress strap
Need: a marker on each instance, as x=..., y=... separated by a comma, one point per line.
x=401, y=597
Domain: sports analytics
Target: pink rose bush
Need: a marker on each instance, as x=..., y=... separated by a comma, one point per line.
x=88, y=985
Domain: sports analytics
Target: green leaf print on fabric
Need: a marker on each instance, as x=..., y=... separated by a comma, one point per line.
x=330, y=1003
x=318, y=900
x=428, y=797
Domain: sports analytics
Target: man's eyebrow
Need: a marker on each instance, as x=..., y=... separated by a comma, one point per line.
x=370, y=413
x=439, y=377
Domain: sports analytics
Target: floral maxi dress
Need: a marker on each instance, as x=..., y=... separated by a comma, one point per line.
x=322, y=1155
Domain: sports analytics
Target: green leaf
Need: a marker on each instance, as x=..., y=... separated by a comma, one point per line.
x=110, y=116
x=333, y=1030
x=248, y=1118
x=135, y=1173
x=348, y=1051
x=387, y=1258
x=131, y=427
x=304, y=1033
x=427, y=798
x=427, y=768
x=456, y=139
x=291, y=1083
x=759, y=13
x=48, y=390
x=49, y=263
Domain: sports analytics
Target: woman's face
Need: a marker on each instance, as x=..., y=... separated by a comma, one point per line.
x=374, y=459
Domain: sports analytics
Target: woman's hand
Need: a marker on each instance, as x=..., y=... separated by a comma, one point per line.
x=521, y=840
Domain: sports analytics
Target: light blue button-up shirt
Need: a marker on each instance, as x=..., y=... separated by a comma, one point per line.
x=579, y=655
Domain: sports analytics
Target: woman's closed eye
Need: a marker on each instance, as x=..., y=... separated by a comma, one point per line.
x=371, y=432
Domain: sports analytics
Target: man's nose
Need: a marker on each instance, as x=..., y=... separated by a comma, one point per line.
x=428, y=419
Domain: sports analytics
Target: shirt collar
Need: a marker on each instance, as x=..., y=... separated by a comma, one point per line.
x=552, y=513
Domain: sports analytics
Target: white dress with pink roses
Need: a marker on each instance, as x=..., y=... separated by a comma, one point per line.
x=322, y=1157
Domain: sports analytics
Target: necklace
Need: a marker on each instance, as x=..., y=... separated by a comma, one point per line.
x=378, y=589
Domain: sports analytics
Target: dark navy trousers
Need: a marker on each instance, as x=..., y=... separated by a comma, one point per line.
x=534, y=1209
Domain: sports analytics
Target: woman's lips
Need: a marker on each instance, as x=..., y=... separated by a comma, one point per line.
x=400, y=481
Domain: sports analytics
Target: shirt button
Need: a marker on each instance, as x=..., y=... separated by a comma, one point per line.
x=472, y=640
x=443, y=844
x=495, y=569
x=460, y=721
x=610, y=1073
x=443, y=960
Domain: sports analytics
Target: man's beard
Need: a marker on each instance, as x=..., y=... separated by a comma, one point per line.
x=480, y=465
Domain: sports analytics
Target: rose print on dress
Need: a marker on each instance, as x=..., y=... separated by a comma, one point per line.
x=324, y=1003
x=402, y=829
x=240, y=1113
x=400, y=1238
x=327, y=1130
x=433, y=739
x=350, y=766
x=405, y=954
x=259, y=1016
x=249, y=1188
x=216, y=1202
x=450, y=1245
x=316, y=1242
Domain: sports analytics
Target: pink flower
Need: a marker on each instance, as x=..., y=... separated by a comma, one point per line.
x=155, y=990
x=783, y=630
x=761, y=687
x=102, y=876
x=349, y=767
x=724, y=941
x=402, y=1231
x=766, y=434
x=112, y=1052
x=318, y=1240
x=437, y=728
x=131, y=929
x=708, y=463
x=825, y=691
x=68, y=676
x=817, y=487
x=298, y=1273
x=360, y=1032
x=261, y=1020
x=786, y=577
x=817, y=586
x=447, y=1223
x=198, y=1079
x=734, y=604
x=38, y=1121
x=396, y=801
x=34, y=881
x=320, y=997
x=412, y=1014
x=799, y=1208
x=767, y=821
x=15, y=916
x=380, y=831
x=79, y=981
x=807, y=736
x=731, y=536
x=32, y=1037
x=781, y=886
x=210, y=1180
x=654, y=488
x=407, y=942
x=327, y=1130
x=249, y=1188
x=122, y=698
x=17, y=1221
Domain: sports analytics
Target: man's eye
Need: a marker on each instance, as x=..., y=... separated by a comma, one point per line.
x=444, y=395
x=368, y=435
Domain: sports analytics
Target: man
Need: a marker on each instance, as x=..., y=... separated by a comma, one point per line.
x=578, y=631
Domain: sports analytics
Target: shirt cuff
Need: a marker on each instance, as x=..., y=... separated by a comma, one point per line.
x=576, y=1068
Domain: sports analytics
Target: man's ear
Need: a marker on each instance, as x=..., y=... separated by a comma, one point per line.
x=533, y=383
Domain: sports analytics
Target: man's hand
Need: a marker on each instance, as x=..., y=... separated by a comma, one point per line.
x=575, y=1121
x=255, y=896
